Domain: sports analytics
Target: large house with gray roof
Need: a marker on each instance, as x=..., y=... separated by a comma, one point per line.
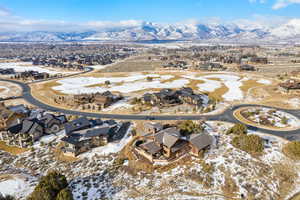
x=24, y=128
x=83, y=135
x=170, y=97
x=168, y=144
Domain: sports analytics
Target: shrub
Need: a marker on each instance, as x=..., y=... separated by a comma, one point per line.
x=149, y=79
x=189, y=127
x=238, y=129
x=50, y=186
x=248, y=143
x=207, y=167
x=64, y=194
x=292, y=150
x=246, y=114
x=284, y=120
x=107, y=83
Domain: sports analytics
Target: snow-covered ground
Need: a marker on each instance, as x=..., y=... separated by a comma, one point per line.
x=127, y=84
x=233, y=83
x=26, y=66
x=17, y=186
x=94, y=176
x=208, y=85
x=264, y=81
x=123, y=104
x=138, y=82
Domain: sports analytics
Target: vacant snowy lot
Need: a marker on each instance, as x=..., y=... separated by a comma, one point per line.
x=136, y=82
x=26, y=66
x=17, y=185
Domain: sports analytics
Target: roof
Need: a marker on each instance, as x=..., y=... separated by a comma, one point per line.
x=4, y=112
x=158, y=137
x=186, y=90
x=200, y=141
x=29, y=126
x=151, y=147
x=38, y=113
x=77, y=124
x=72, y=139
x=47, y=118
x=19, y=109
x=15, y=128
x=110, y=122
x=157, y=126
x=171, y=136
x=96, y=122
x=62, y=118
x=97, y=132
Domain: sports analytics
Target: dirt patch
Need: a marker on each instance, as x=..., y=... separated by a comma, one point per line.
x=12, y=149
x=218, y=93
x=295, y=197
x=250, y=84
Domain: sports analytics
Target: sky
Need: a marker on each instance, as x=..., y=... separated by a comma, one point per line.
x=95, y=14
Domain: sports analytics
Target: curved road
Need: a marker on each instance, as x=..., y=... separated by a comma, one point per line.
x=226, y=116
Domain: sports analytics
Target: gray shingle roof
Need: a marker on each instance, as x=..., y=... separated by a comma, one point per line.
x=98, y=132
x=77, y=124
x=171, y=136
x=151, y=147
x=156, y=126
x=201, y=141
x=30, y=126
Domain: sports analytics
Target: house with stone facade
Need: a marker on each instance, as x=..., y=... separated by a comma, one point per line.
x=167, y=144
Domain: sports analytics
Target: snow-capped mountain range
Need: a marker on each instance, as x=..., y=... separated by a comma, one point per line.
x=146, y=31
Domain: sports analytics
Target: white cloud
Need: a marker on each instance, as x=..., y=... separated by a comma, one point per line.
x=13, y=23
x=257, y=1
x=284, y=3
x=110, y=24
x=4, y=12
x=9, y=24
x=263, y=22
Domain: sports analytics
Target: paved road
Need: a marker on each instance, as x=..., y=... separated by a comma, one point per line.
x=226, y=116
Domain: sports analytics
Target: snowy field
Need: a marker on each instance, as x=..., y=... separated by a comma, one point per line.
x=232, y=82
x=16, y=186
x=137, y=82
x=26, y=66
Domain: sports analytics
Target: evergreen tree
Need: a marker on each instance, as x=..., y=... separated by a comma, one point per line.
x=50, y=186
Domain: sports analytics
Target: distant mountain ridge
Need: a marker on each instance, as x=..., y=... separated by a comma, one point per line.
x=148, y=31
